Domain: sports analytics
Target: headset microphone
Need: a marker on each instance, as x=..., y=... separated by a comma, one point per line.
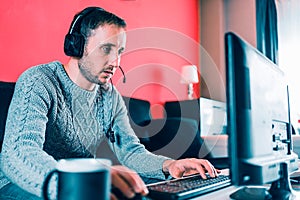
x=124, y=77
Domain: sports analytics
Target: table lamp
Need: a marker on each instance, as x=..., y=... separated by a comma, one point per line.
x=189, y=76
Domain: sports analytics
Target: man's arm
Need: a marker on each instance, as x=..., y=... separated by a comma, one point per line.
x=23, y=160
x=128, y=148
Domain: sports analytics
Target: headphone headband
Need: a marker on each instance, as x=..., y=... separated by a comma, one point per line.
x=77, y=20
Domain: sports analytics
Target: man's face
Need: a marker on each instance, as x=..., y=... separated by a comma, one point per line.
x=102, y=53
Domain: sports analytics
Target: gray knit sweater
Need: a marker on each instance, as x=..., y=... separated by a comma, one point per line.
x=51, y=118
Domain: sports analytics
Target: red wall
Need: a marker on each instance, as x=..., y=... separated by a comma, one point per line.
x=162, y=36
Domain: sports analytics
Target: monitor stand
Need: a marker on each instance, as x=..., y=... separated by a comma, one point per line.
x=279, y=190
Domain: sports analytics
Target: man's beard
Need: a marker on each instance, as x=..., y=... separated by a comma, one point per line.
x=86, y=73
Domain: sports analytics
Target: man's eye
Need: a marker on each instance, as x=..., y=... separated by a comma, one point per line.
x=106, y=49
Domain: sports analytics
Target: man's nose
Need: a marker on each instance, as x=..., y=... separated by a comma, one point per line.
x=115, y=60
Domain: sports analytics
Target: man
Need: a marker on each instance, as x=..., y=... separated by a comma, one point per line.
x=65, y=111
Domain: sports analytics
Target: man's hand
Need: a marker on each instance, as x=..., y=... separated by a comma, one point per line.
x=184, y=167
x=127, y=181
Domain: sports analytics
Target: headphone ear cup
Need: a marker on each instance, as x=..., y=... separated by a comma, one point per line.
x=74, y=45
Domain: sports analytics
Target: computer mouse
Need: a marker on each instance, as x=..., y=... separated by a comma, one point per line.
x=121, y=196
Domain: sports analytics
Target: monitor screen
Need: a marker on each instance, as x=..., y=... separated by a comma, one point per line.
x=258, y=123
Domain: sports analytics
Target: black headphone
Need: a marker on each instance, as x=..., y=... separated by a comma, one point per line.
x=74, y=40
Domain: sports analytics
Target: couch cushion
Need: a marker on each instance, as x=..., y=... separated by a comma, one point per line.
x=138, y=110
x=6, y=92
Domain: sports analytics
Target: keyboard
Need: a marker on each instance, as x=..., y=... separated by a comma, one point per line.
x=187, y=187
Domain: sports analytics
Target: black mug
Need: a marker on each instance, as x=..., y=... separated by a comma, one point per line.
x=81, y=179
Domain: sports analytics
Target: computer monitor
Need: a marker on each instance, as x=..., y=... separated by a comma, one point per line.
x=258, y=125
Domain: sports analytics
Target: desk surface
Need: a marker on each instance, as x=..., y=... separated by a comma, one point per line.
x=223, y=194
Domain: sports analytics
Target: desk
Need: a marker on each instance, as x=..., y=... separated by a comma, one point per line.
x=223, y=194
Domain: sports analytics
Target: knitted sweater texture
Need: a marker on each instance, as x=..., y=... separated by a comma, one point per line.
x=51, y=118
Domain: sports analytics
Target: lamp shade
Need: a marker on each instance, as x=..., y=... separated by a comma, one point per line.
x=189, y=74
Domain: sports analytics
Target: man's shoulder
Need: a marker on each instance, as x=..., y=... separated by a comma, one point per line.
x=42, y=69
x=40, y=72
x=40, y=76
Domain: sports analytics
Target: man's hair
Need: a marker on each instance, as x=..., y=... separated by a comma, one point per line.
x=95, y=18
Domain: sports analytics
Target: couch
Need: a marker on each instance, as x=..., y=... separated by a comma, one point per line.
x=176, y=137
x=6, y=93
